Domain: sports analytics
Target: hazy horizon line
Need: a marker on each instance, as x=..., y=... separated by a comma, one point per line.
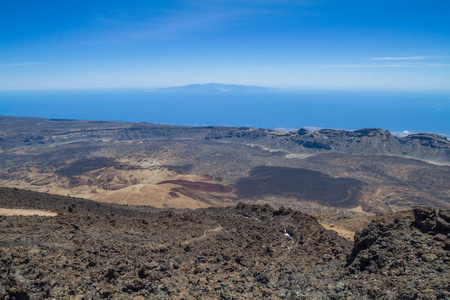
x=160, y=88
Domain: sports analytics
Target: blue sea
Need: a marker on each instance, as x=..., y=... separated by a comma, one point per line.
x=398, y=112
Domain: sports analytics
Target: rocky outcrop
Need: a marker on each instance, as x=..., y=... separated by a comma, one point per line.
x=431, y=220
x=367, y=141
x=408, y=252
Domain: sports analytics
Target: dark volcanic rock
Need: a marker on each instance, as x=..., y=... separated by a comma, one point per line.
x=301, y=183
x=403, y=256
x=85, y=165
x=247, y=251
x=430, y=220
x=118, y=251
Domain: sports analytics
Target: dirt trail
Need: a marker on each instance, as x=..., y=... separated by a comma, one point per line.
x=26, y=212
x=203, y=236
x=348, y=234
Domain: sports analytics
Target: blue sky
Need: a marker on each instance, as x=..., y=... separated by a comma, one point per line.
x=304, y=44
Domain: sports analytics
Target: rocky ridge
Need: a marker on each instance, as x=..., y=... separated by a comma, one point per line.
x=365, y=141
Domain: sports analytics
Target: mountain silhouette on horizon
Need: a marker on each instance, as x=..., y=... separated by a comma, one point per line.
x=215, y=87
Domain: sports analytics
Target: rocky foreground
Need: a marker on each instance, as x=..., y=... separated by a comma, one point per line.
x=92, y=250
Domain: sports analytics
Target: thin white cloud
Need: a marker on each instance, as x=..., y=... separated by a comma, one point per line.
x=410, y=65
x=284, y=129
x=361, y=66
x=206, y=16
x=374, y=66
x=437, y=65
x=401, y=58
x=21, y=64
x=312, y=128
x=175, y=26
x=402, y=133
x=419, y=57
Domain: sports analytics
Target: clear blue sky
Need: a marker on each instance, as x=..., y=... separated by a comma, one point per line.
x=319, y=44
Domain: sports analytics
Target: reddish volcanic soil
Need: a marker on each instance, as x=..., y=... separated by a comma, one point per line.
x=203, y=186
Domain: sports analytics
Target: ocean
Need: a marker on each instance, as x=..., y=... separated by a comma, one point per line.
x=398, y=112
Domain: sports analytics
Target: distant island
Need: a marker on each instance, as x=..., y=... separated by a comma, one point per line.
x=216, y=87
